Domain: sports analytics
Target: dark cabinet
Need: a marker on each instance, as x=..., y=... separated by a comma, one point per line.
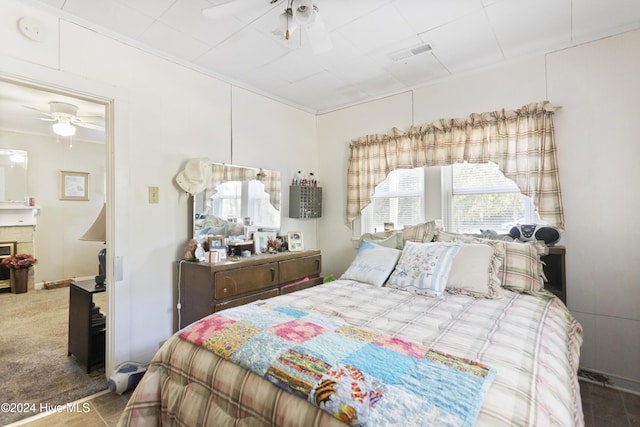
x=87, y=325
x=554, y=271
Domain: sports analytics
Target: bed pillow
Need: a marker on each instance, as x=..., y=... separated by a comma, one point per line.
x=373, y=264
x=388, y=239
x=474, y=272
x=423, y=268
x=422, y=233
x=521, y=270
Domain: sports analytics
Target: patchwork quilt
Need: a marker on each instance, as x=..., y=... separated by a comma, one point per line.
x=530, y=344
x=361, y=377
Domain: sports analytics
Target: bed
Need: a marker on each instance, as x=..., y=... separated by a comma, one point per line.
x=480, y=342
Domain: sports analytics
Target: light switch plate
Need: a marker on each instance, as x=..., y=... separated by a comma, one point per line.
x=154, y=195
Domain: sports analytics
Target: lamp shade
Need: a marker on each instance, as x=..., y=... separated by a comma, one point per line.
x=98, y=230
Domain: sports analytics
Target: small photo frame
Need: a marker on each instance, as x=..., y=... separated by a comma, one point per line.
x=260, y=239
x=74, y=185
x=295, y=241
x=216, y=242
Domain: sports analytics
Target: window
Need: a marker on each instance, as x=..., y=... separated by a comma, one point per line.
x=473, y=197
x=479, y=197
x=236, y=199
x=398, y=200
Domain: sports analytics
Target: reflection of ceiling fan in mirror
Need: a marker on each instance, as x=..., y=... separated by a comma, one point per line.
x=298, y=13
x=65, y=118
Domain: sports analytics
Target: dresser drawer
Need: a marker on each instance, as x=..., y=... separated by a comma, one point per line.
x=234, y=302
x=299, y=268
x=241, y=281
x=298, y=286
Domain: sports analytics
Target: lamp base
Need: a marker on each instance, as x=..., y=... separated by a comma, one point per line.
x=100, y=282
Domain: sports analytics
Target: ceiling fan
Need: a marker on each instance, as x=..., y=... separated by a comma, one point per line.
x=298, y=13
x=66, y=118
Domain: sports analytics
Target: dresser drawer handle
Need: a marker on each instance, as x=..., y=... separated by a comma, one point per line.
x=273, y=274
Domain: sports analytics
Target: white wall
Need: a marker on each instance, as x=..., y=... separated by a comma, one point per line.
x=61, y=222
x=597, y=86
x=164, y=114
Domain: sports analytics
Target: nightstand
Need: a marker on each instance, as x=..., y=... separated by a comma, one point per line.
x=87, y=325
x=554, y=271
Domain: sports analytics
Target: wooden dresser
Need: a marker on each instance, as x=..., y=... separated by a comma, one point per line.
x=204, y=288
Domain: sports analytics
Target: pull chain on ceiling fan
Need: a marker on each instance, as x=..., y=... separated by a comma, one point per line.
x=298, y=13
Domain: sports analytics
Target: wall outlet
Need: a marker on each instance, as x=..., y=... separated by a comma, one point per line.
x=154, y=195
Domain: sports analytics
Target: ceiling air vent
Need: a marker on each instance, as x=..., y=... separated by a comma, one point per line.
x=401, y=54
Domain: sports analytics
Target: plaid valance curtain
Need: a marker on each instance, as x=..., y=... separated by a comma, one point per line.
x=521, y=142
x=221, y=173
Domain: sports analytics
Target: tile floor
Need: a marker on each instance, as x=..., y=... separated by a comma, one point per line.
x=606, y=407
x=602, y=406
x=101, y=409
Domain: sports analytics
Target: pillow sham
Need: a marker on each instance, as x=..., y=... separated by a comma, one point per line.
x=421, y=233
x=423, y=268
x=521, y=269
x=373, y=264
x=388, y=239
x=474, y=272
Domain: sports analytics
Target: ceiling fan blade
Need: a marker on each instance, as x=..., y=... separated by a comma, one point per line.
x=89, y=125
x=46, y=113
x=318, y=35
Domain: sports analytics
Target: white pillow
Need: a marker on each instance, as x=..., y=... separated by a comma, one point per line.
x=423, y=268
x=474, y=271
x=372, y=264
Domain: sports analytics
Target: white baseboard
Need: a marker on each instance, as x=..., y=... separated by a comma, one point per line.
x=40, y=285
x=615, y=382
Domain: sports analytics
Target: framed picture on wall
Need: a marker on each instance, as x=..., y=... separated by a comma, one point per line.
x=74, y=185
x=295, y=241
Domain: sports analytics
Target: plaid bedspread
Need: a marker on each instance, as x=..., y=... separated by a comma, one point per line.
x=533, y=343
x=362, y=377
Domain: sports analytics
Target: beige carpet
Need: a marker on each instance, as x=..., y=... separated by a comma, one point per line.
x=34, y=366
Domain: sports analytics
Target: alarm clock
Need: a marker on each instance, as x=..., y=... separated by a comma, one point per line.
x=527, y=232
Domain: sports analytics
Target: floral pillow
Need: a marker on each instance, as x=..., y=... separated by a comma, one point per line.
x=424, y=268
x=373, y=264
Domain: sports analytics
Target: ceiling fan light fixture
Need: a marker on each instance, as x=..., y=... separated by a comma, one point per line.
x=64, y=127
x=303, y=11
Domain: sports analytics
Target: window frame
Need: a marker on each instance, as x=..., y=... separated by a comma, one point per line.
x=447, y=195
x=440, y=205
x=394, y=194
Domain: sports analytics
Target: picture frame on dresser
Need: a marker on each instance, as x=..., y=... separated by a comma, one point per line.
x=260, y=239
x=295, y=241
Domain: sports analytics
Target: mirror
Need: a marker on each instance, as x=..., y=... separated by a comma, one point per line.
x=238, y=200
x=13, y=175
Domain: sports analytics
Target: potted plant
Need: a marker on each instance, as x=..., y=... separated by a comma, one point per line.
x=20, y=264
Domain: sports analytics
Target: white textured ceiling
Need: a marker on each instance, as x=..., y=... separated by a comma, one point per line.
x=240, y=47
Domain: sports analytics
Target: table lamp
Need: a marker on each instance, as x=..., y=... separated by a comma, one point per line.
x=98, y=233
